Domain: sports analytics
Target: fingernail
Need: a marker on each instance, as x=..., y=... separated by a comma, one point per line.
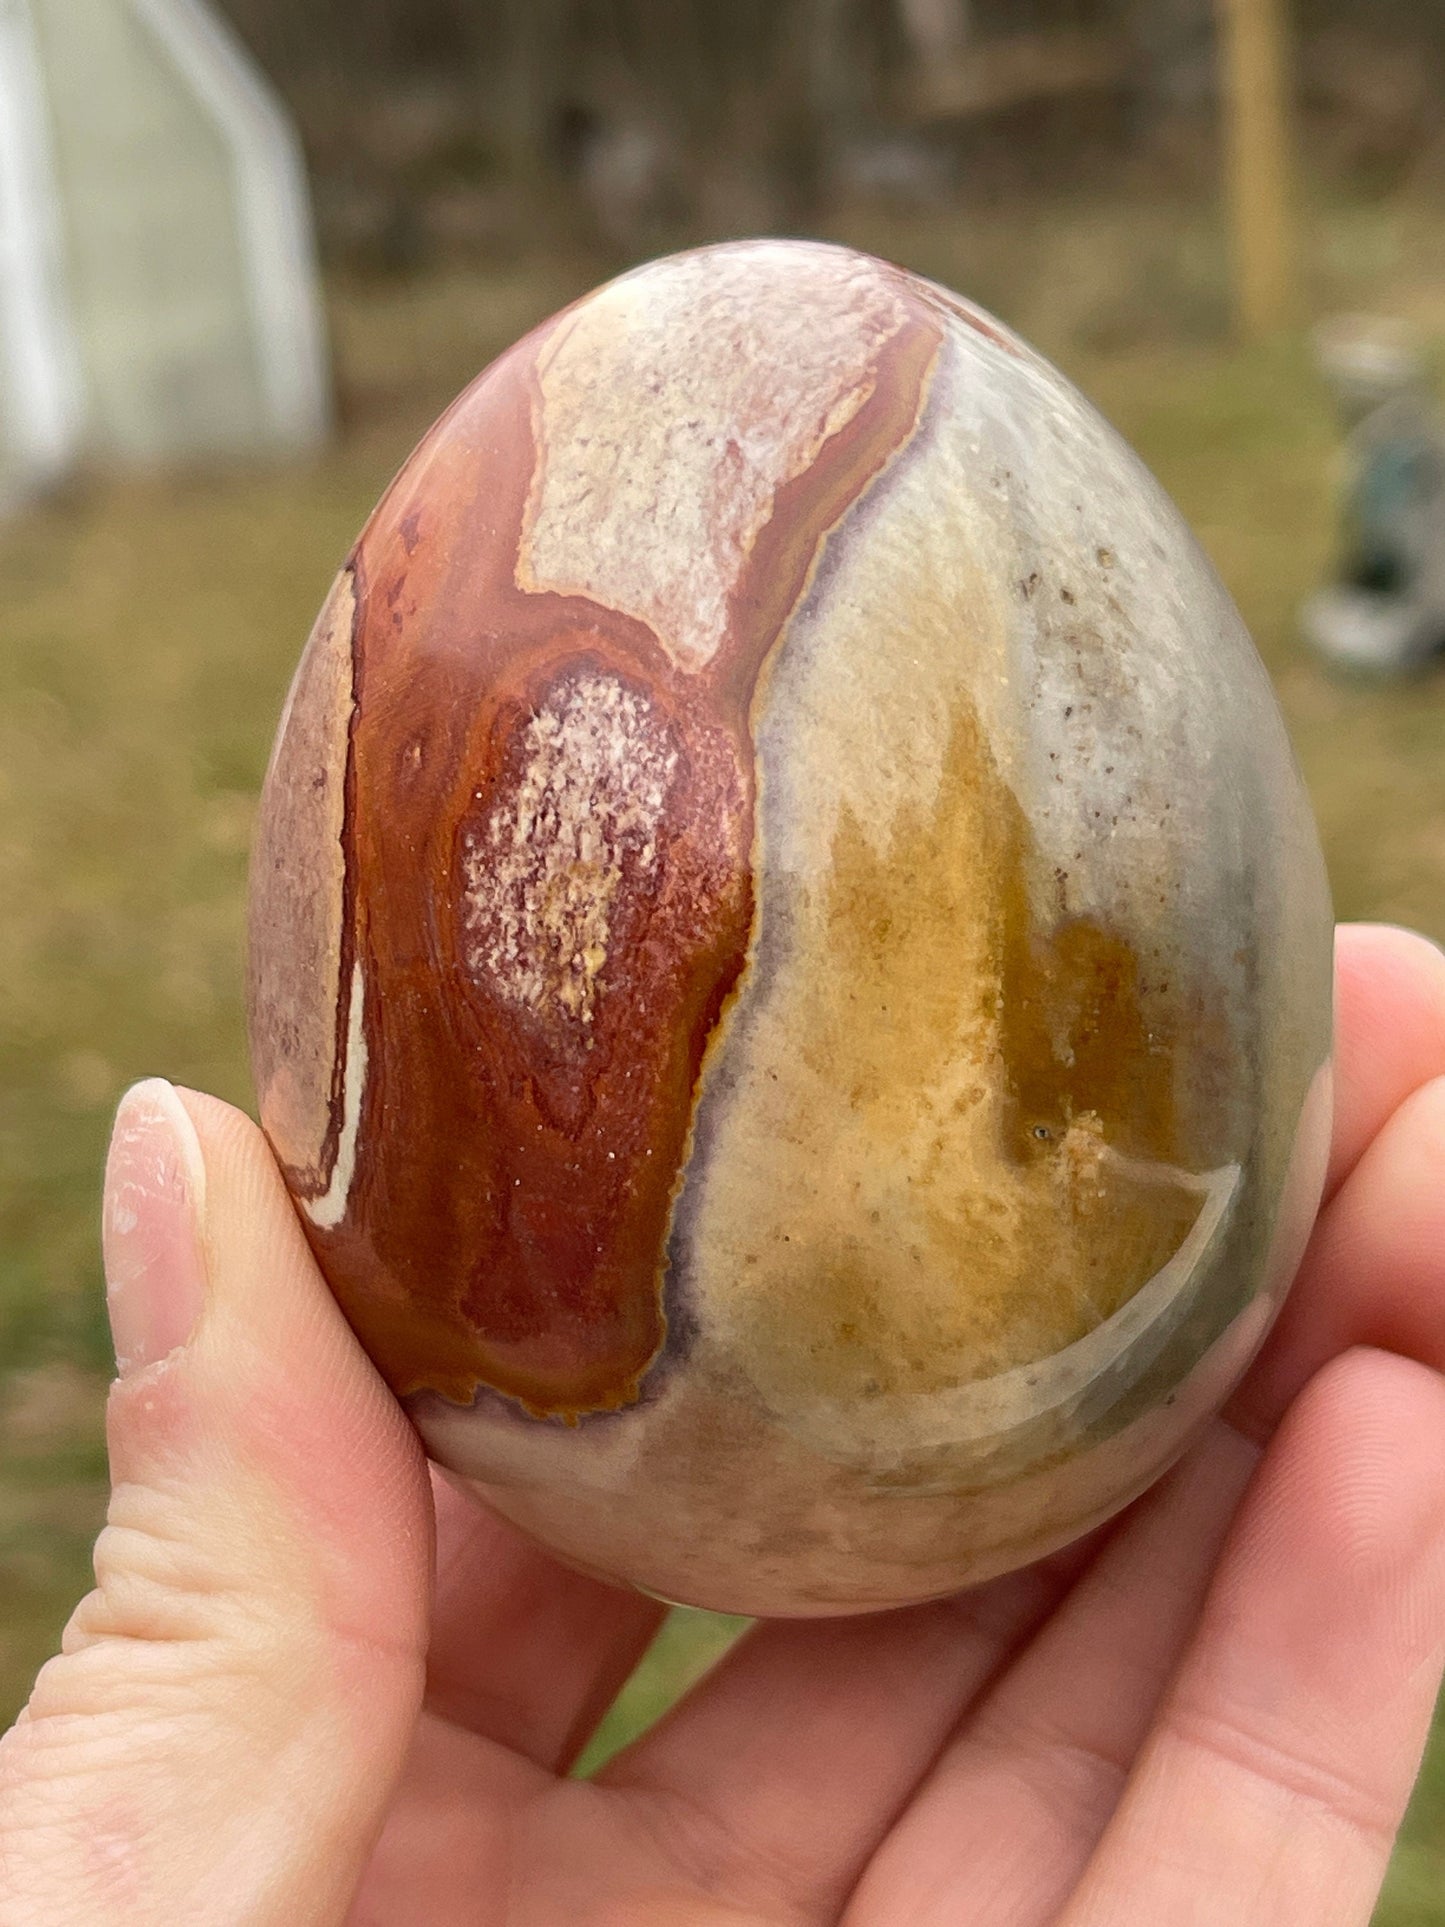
x=155, y=1196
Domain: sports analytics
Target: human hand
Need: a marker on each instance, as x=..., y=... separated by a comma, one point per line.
x=268, y=1712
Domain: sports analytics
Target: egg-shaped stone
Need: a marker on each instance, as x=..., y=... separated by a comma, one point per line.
x=790, y=959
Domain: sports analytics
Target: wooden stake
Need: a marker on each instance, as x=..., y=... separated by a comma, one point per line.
x=1259, y=165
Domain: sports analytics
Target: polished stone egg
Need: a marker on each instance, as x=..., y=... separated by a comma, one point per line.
x=790, y=971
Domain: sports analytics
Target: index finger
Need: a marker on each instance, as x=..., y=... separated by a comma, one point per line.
x=1389, y=1032
x=1374, y=1272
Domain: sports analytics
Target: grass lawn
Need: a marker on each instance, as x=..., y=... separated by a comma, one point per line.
x=149, y=630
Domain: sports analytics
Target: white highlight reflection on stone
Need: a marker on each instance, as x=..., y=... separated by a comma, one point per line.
x=329, y=1209
x=983, y=1408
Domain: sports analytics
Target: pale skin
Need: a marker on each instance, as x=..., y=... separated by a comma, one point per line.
x=314, y=1685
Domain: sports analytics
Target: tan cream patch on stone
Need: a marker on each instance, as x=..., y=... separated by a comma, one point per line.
x=671, y=411
x=940, y=1145
x=298, y=878
x=544, y=870
x=703, y=1499
x=877, y=1226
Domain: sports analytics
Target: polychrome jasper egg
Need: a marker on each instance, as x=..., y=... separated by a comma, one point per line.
x=790, y=973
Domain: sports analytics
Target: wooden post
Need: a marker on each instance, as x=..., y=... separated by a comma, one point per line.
x=1259, y=169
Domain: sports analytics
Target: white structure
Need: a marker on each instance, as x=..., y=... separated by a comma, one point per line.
x=158, y=291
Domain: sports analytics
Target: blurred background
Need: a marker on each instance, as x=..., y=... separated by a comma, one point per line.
x=247, y=252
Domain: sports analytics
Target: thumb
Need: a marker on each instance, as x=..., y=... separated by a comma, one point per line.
x=218, y=1739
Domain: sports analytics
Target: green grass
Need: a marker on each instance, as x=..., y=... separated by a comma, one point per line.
x=150, y=629
x=689, y=1643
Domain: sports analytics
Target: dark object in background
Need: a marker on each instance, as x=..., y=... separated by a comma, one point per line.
x=1385, y=612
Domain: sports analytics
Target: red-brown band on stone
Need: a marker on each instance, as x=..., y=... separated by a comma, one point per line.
x=547, y=901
